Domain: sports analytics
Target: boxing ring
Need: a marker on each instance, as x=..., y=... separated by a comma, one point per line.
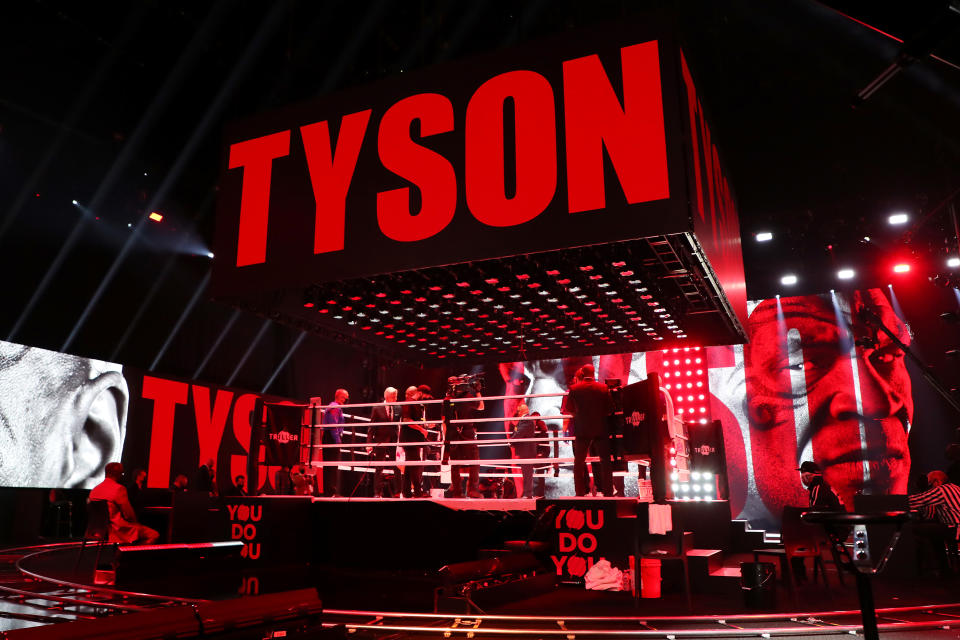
x=437, y=452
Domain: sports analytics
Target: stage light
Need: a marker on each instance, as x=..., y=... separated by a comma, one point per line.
x=788, y=279
x=156, y=216
x=897, y=218
x=209, y=254
x=75, y=203
x=845, y=274
x=901, y=268
x=764, y=236
x=953, y=262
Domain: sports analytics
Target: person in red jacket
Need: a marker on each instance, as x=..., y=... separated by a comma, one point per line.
x=123, y=521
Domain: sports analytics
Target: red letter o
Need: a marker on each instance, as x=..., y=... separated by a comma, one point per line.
x=536, y=149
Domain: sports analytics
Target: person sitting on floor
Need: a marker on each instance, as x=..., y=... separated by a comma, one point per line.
x=123, y=521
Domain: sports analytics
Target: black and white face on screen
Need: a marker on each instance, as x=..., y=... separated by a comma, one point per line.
x=62, y=417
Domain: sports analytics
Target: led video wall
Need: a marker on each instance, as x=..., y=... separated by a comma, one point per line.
x=823, y=378
x=63, y=418
x=820, y=380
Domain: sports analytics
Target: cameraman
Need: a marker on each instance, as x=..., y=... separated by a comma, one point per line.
x=461, y=388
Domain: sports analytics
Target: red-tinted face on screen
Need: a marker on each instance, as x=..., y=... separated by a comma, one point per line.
x=824, y=383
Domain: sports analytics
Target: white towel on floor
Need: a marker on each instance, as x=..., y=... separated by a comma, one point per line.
x=602, y=576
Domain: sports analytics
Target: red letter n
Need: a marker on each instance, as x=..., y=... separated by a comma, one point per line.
x=632, y=133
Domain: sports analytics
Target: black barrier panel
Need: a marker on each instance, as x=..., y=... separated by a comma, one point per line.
x=274, y=530
x=586, y=530
x=408, y=534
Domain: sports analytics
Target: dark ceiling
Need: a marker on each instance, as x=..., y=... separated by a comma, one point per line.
x=120, y=106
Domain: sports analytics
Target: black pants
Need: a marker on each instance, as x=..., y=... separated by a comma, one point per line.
x=331, y=474
x=465, y=452
x=601, y=445
x=380, y=482
x=932, y=538
x=432, y=481
x=526, y=450
x=412, y=473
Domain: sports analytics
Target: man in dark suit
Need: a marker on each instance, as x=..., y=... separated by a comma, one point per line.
x=590, y=403
x=384, y=434
x=412, y=430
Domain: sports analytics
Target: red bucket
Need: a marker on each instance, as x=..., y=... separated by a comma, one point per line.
x=649, y=578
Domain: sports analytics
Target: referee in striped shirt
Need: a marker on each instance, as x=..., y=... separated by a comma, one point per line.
x=944, y=498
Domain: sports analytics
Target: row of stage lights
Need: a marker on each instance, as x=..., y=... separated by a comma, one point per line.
x=702, y=486
x=481, y=314
x=684, y=373
x=684, y=376
x=896, y=219
x=849, y=274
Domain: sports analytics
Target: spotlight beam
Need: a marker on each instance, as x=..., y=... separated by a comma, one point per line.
x=283, y=363
x=461, y=30
x=127, y=33
x=159, y=103
x=160, y=279
x=259, y=41
x=256, y=339
x=141, y=309
x=181, y=319
x=349, y=52
x=531, y=10
x=216, y=343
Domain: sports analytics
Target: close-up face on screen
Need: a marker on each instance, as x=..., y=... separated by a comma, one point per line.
x=62, y=418
x=819, y=380
x=825, y=383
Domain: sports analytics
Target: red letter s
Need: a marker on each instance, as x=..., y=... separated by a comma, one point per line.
x=427, y=169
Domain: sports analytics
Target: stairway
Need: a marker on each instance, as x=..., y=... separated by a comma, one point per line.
x=717, y=571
